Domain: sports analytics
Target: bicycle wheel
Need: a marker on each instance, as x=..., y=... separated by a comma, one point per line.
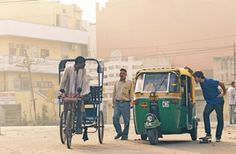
x=100, y=125
x=62, y=128
x=69, y=128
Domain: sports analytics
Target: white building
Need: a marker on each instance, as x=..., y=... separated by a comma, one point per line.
x=223, y=69
x=91, y=29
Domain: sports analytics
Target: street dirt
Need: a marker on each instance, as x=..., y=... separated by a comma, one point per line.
x=46, y=140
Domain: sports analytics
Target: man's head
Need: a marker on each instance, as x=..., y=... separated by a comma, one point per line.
x=79, y=62
x=233, y=84
x=198, y=76
x=123, y=74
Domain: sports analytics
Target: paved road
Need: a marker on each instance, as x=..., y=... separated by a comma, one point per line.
x=45, y=140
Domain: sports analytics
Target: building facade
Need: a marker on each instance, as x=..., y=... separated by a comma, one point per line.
x=34, y=37
x=224, y=69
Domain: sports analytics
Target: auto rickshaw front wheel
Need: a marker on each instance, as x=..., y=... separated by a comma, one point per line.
x=152, y=135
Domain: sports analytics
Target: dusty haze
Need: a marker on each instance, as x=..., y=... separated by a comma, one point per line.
x=192, y=32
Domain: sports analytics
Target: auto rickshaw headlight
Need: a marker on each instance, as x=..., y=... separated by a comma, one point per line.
x=153, y=94
x=149, y=118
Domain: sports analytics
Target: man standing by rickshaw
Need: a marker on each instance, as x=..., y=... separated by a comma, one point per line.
x=214, y=101
x=231, y=93
x=122, y=96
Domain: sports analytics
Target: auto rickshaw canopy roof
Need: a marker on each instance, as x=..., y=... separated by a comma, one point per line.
x=181, y=71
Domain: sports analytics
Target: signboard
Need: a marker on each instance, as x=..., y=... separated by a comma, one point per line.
x=7, y=98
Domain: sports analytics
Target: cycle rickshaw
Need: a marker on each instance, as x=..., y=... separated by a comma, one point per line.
x=93, y=114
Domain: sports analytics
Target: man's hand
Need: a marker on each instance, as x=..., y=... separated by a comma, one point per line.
x=222, y=85
x=221, y=95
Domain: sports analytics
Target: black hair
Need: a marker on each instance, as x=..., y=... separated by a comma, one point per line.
x=199, y=74
x=79, y=60
x=122, y=69
x=232, y=83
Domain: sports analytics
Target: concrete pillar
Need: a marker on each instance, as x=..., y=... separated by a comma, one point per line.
x=2, y=116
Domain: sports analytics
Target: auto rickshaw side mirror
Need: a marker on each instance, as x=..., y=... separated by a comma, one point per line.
x=153, y=96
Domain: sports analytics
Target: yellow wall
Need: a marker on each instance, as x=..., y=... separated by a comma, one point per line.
x=27, y=111
x=41, y=12
x=4, y=47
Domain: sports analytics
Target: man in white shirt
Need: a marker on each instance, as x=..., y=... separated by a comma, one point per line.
x=231, y=93
x=74, y=79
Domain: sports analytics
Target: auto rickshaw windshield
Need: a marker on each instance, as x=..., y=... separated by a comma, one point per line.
x=157, y=82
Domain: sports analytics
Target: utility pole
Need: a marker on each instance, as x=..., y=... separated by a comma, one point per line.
x=234, y=60
x=27, y=62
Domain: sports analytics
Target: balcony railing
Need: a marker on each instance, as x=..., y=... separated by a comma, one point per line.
x=38, y=65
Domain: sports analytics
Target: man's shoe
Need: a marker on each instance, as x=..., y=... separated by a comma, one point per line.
x=117, y=136
x=208, y=136
x=218, y=140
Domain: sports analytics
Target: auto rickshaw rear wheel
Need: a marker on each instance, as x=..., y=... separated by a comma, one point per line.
x=143, y=136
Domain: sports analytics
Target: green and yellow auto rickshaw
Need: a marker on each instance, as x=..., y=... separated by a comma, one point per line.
x=164, y=103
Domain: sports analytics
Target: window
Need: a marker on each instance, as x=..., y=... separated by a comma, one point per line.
x=34, y=52
x=139, y=83
x=21, y=84
x=24, y=85
x=186, y=89
x=174, y=83
x=44, y=53
x=152, y=82
x=84, y=50
x=62, y=20
x=22, y=52
x=111, y=75
x=12, y=49
x=77, y=24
